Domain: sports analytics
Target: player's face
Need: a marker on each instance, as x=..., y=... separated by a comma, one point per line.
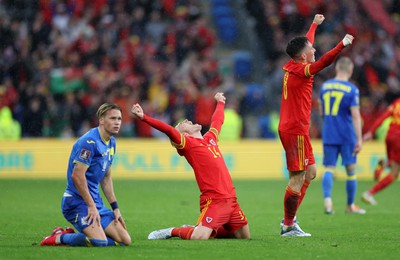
x=188, y=127
x=309, y=53
x=111, y=121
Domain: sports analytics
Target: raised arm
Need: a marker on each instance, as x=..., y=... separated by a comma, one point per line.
x=171, y=132
x=370, y=132
x=318, y=19
x=217, y=118
x=330, y=56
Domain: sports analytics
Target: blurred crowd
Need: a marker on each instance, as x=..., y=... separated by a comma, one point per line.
x=375, y=51
x=61, y=59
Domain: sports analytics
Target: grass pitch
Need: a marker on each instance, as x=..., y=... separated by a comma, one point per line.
x=30, y=209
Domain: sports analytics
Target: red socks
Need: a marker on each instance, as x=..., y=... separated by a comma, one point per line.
x=382, y=184
x=182, y=232
x=303, y=191
x=290, y=202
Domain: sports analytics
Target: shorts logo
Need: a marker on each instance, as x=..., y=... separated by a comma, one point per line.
x=83, y=221
x=306, y=162
x=84, y=154
x=209, y=219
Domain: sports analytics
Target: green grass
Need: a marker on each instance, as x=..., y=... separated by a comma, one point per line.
x=30, y=209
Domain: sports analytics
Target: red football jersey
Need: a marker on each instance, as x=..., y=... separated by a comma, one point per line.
x=394, y=111
x=297, y=89
x=206, y=159
x=296, y=99
x=203, y=155
x=209, y=167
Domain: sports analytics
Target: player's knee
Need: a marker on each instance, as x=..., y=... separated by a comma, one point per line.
x=126, y=240
x=311, y=172
x=243, y=232
x=98, y=242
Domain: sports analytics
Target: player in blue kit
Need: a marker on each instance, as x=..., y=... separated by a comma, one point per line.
x=90, y=167
x=341, y=132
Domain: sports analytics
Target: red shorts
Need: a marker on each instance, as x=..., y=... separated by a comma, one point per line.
x=299, y=153
x=393, y=148
x=226, y=213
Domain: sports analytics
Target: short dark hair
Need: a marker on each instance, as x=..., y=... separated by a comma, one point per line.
x=106, y=107
x=296, y=45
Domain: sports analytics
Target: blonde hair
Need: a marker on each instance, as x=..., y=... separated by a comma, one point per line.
x=344, y=64
x=103, y=109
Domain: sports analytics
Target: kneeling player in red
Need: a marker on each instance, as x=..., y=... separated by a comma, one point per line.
x=221, y=215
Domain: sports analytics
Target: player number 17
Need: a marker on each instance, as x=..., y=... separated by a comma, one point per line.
x=337, y=98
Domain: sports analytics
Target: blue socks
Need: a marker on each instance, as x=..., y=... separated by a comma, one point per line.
x=80, y=239
x=75, y=239
x=327, y=183
x=351, y=187
x=111, y=242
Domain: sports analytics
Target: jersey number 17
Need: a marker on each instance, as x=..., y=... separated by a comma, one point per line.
x=335, y=97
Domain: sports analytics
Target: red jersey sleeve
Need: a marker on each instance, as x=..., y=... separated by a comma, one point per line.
x=325, y=61
x=217, y=119
x=379, y=121
x=311, y=32
x=173, y=134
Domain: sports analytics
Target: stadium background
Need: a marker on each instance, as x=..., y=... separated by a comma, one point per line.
x=61, y=59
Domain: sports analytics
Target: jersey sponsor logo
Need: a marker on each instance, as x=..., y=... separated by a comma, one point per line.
x=84, y=154
x=90, y=142
x=209, y=220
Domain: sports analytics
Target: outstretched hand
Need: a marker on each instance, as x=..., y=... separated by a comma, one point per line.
x=118, y=218
x=137, y=110
x=319, y=18
x=368, y=136
x=357, y=147
x=220, y=97
x=348, y=39
x=93, y=216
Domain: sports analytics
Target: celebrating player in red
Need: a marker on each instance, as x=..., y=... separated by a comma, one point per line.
x=295, y=115
x=221, y=215
x=392, y=149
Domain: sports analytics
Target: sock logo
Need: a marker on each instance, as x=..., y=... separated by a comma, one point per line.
x=209, y=219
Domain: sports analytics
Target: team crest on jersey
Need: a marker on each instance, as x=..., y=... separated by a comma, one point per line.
x=212, y=142
x=209, y=219
x=84, y=154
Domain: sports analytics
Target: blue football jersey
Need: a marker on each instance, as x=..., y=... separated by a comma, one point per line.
x=337, y=97
x=91, y=150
